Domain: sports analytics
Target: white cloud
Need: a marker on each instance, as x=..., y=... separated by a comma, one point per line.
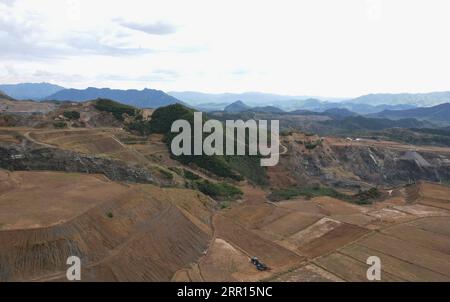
x=321, y=47
x=154, y=28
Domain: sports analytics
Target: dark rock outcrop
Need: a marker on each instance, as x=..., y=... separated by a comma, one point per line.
x=27, y=156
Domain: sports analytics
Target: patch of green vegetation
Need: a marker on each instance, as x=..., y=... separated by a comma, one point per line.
x=72, y=115
x=312, y=145
x=215, y=164
x=286, y=132
x=60, y=125
x=131, y=139
x=177, y=170
x=141, y=127
x=249, y=167
x=363, y=197
x=163, y=118
x=117, y=109
x=78, y=125
x=357, y=124
x=190, y=175
x=414, y=136
x=225, y=205
x=221, y=191
x=233, y=167
x=109, y=215
x=165, y=173
x=307, y=192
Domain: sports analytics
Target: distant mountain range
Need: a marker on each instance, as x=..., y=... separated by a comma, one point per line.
x=30, y=91
x=321, y=106
x=439, y=114
x=417, y=99
x=241, y=107
x=344, y=119
x=310, y=104
x=146, y=98
x=250, y=98
x=366, y=104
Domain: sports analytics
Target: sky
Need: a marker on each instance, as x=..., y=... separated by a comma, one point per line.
x=335, y=48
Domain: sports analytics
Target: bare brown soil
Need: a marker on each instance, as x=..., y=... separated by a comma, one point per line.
x=385, y=144
x=121, y=232
x=128, y=232
x=8, y=106
x=413, y=251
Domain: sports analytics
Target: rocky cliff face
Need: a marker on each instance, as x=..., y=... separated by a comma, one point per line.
x=384, y=166
x=312, y=159
x=27, y=156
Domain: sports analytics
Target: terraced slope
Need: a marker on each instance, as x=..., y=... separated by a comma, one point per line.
x=120, y=232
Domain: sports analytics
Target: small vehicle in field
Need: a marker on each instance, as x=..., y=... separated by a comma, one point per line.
x=259, y=265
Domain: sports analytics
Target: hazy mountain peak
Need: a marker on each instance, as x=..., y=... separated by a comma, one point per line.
x=146, y=98
x=237, y=106
x=34, y=91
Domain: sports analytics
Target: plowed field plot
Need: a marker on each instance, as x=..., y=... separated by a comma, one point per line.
x=290, y=223
x=256, y=216
x=361, y=220
x=349, y=269
x=274, y=255
x=96, y=142
x=422, y=211
x=420, y=237
x=433, y=195
x=410, y=252
x=41, y=199
x=309, y=273
x=415, y=251
x=338, y=237
x=437, y=225
x=387, y=215
x=305, y=206
x=224, y=262
x=394, y=266
x=333, y=206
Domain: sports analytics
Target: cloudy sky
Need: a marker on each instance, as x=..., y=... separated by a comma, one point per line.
x=315, y=47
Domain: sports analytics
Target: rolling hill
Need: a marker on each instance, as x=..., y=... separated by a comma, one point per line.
x=4, y=96
x=32, y=91
x=237, y=106
x=146, y=98
x=267, y=109
x=339, y=113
